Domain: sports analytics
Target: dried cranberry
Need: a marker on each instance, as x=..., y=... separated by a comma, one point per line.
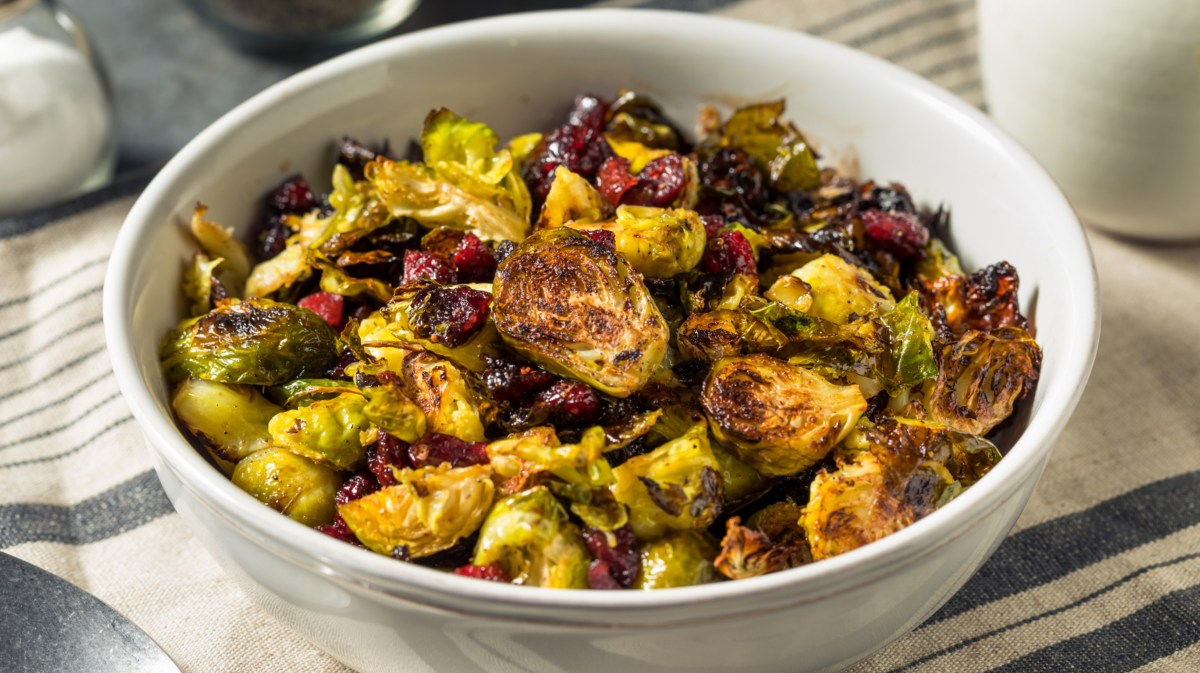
x=491, y=572
x=448, y=315
x=729, y=251
x=713, y=224
x=325, y=304
x=435, y=448
x=421, y=264
x=893, y=198
x=509, y=381
x=504, y=249
x=600, y=576
x=338, y=529
x=622, y=561
x=614, y=178
x=354, y=155
x=338, y=371
x=602, y=236
x=292, y=197
x=659, y=183
x=473, y=261
x=272, y=238
x=389, y=452
x=401, y=553
x=572, y=401
x=579, y=145
x=358, y=485
x=900, y=233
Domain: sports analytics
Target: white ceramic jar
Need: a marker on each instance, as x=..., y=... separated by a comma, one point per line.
x=1106, y=94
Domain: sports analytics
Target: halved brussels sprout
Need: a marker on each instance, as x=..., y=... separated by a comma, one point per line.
x=771, y=540
x=981, y=378
x=889, y=475
x=637, y=118
x=677, y=486
x=530, y=536
x=256, y=342
x=326, y=430
x=726, y=333
x=290, y=484
x=841, y=291
x=681, y=559
x=426, y=511
x=985, y=300
x=219, y=242
x=657, y=242
x=571, y=199
x=442, y=391
x=577, y=308
x=792, y=292
x=774, y=145
x=777, y=417
x=390, y=410
x=198, y=284
x=230, y=420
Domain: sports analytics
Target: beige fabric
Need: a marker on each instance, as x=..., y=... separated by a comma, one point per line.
x=66, y=437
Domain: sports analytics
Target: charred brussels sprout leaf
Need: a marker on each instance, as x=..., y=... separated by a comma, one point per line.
x=219, y=243
x=445, y=394
x=427, y=510
x=256, y=342
x=909, y=358
x=578, y=309
x=302, y=392
x=571, y=199
x=981, y=378
x=681, y=559
x=771, y=540
x=773, y=144
x=984, y=301
x=327, y=430
x=777, y=417
x=530, y=536
x=677, y=486
x=198, y=283
x=230, y=420
x=290, y=484
x=888, y=476
x=727, y=332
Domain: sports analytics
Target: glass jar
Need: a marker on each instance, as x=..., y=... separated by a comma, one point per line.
x=302, y=27
x=57, y=133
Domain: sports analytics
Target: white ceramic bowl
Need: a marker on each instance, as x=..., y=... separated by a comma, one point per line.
x=519, y=73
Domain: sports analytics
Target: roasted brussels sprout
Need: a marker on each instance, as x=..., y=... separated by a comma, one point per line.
x=530, y=536
x=389, y=409
x=326, y=430
x=842, y=292
x=908, y=360
x=256, y=342
x=777, y=417
x=657, y=242
x=290, y=484
x=576, y=308
x=443, y=392
x=200, y=288
x=219, y=243
x=982, y=376
x=677, y=486
x=428, y=510
x=302, y=392
x=230, y=420
x=681, y=559
x=889, y=475
x=571, y=199
x=773, y=144
x=984, y=301
x=771, y=540
x=389, y=334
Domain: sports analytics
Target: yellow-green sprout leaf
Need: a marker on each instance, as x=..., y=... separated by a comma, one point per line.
x=742, y=482
x=578, y=309
x=658, y=242
x=442, y=391
x=841, y=291
x=571, y=199
x=636, y=118
x=218, y=241
x=326, y=430
x=230, y=420
x=637, y=154
x=428, y=510
x=778, y=418
x=531, y=537
x=358, y=210
x=536, y=452
x=337, y=281
x=389, y=409
x=293, y=485
x=982, y=377
x=458, y=147
x=522, y=146
x=909, y=359
x=257, y=342
x=293, y=264
x=677, y=486
x=774, y=145
x=302, y=392
x=680, y=559
x=198, y=283
x=791, y=292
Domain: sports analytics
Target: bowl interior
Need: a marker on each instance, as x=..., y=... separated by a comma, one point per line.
x=518, y=74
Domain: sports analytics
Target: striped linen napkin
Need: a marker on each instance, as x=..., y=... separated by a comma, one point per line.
x=1101, y=574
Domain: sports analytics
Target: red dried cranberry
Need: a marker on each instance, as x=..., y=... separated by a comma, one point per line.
x=729, y=251
x=571, y=401
x=358, y=485
x=659, y=183
x=338, y=371
x=448, y=315
x=614, y=178
x=509, y=381
x=435, y=448
x=504, y=249
x=272, y=238
x=622, y=562
x=325, y=304
x=401, y=552
x=491, y=572
x=602, y=236
x=473, y=261
x=600, y=576
x=900, y=233
x=292, y=197
x=421, y=264
x=579, y=145
x=388, y=453
x=713, y=224
x=338, y=529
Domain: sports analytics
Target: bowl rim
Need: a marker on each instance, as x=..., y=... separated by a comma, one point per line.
x=334, y=559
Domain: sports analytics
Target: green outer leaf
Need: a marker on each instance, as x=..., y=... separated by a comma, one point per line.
x=911, y=352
